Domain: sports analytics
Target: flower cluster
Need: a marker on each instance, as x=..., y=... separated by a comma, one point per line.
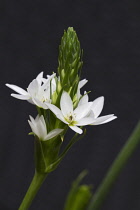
x=60, y=105
x=74, y=112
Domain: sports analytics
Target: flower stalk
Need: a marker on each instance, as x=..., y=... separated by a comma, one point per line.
x=115, y=169
x=34, y=187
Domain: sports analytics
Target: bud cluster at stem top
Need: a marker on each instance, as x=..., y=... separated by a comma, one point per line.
x=69, y=61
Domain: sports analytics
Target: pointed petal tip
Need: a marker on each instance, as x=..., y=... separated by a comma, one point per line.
x=31, y=118
x=21, y=97
x=101, y=98
x=9, y=85
x=80, y=132
x=40, y=74
x=104, y=119
x=53, y=134
x=114, y=117
x=76, y=129
x=97, y=106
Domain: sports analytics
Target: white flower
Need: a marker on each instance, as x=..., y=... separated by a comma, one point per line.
x=96, y=110
x=39, y=128
x=37, y=92
x=72, y=118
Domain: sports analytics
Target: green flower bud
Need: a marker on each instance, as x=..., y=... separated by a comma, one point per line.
x=82, y=198
x=79, y=195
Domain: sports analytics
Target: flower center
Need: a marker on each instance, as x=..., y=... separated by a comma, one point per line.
x=44, y=99
x=71, y=119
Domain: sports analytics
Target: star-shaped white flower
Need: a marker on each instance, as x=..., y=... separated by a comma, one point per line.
x=39, y=128
x=96, y=109
x=70, y=116
x=37, y=92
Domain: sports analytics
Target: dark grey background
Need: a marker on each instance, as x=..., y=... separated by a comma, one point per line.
x=109, y=32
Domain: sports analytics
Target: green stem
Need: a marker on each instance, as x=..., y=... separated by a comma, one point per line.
x=35, y=185
x=115, y=169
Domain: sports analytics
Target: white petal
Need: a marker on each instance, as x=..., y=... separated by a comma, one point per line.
x=60, y=117
x=46, y=94
x=31, y=101
x=38, y=126
x=53, y=133
x=85, y=121
x=57, y=112
x=97, y=106
x=39, y=103
x=82, y=110
x=43, y=121
x=39, y=77
x=46, y=84
x=53, y=85
x=78, y=93
x=33, y=127
x=33, y=88
x=82, y=83
x=76, y=129
x=83, y=100
x=53, y=108
x=51, y=76
x=104, y=119
x=66, y=104
x=32, y=119
x=44, y=80
x=47, y=81
x=21, y=97
x=17, y=89
x=41, y=129
x=36, y=119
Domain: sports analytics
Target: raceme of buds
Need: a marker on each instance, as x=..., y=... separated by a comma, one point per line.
x=70, y=61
